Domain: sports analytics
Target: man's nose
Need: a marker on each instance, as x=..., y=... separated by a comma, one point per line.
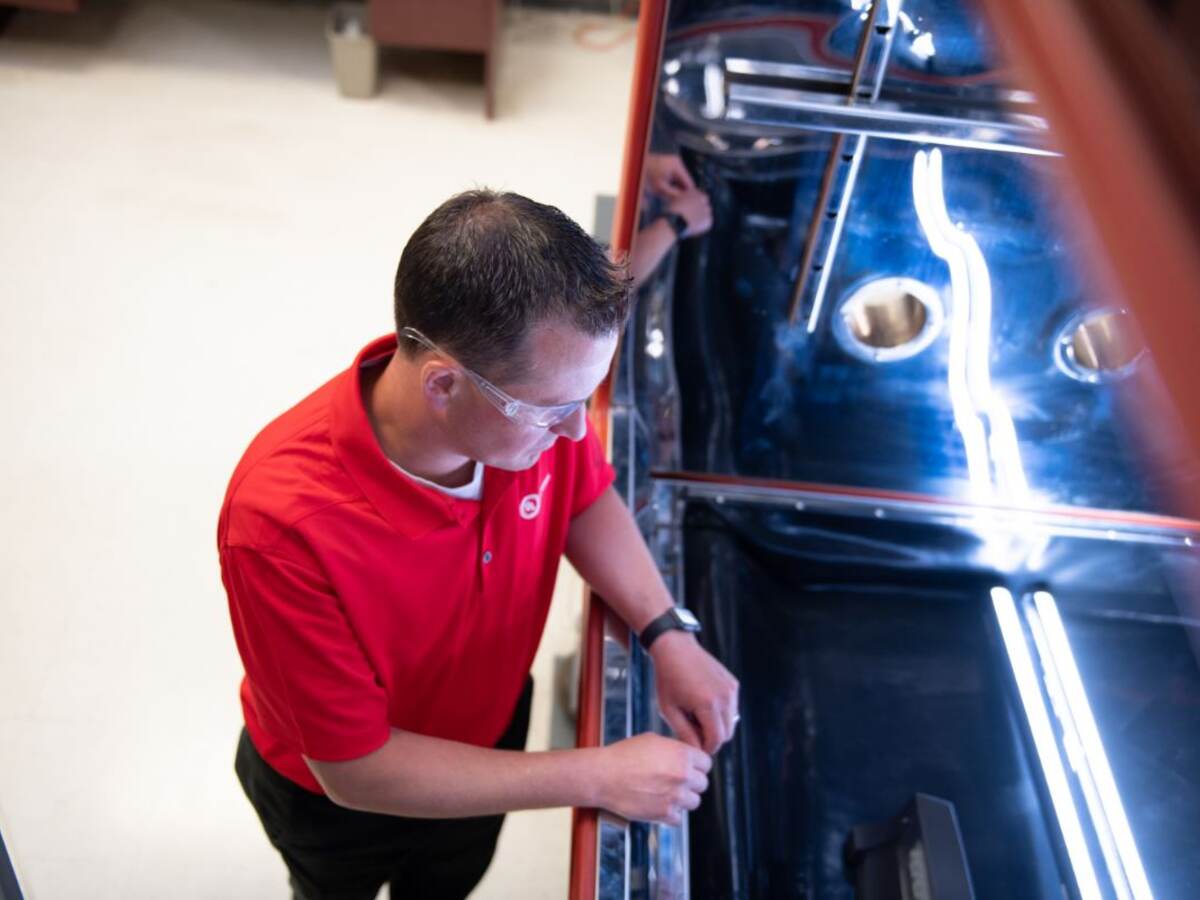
x=573, y=426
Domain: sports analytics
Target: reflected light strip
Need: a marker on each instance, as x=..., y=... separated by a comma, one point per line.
x=1044, y=743
x=994, y=466
x=966, y=416
x=1073, y=747
x=1006, y=454
x=1111, y=814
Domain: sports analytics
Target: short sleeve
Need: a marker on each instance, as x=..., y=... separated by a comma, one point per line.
x=312, y=684
x=593, y=473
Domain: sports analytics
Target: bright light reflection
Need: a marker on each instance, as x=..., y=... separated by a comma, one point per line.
x=1044, y=743
x=1074, y=749
x=922, y=46
x=714, y=91
x=1104, y=802
x=893, y=10
x=929, y=200
x=994, y=467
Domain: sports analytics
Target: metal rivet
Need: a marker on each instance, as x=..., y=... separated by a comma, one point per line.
x=487, y=556
x=879, y=514
x=800, y=504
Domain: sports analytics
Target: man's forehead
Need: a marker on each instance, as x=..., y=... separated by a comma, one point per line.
x=563, y=363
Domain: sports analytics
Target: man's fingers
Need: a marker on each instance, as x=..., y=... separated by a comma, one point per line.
x=680, y=173
x=669, y=189
x=683, y=728
x=713, y=729
x=689, y=800
x=732, y=714
x=698, y=782
x=701, y=761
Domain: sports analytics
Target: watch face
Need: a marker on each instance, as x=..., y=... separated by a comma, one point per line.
x=686, y=617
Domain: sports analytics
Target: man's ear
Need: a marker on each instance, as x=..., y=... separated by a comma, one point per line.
x=439, y=383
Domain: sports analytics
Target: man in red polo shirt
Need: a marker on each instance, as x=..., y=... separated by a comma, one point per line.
x=389, y=548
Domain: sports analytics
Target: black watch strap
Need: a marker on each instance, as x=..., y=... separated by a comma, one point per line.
x=677, y=222
x=674, y=619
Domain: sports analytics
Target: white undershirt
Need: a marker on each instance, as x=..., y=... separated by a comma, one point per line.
x=472, y=490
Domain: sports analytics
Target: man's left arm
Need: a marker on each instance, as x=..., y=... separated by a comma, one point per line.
x=697, y=695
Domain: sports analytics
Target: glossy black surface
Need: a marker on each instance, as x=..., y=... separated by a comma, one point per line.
x=1143, y=684
x=871, y=670
x=862, y=684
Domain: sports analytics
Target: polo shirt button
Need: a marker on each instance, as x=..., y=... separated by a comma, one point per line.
x=487, y=556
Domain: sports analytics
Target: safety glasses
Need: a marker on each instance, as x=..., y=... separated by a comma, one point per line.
x=510, y=407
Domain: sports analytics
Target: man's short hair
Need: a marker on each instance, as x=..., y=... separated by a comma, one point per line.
x=486, y=267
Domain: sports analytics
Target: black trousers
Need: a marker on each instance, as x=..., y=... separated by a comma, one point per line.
x=334, y=853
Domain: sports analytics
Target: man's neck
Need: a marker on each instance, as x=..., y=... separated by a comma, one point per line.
x=404, y=433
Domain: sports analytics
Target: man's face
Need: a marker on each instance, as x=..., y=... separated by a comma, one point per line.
x=564, y=365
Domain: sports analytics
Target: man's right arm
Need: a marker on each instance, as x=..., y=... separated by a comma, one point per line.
x=311, y=679
x=647, y=778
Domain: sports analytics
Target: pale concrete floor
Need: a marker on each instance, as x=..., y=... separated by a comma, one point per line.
x=195, y=230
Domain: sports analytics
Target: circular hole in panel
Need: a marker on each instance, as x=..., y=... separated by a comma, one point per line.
x=889, y=319
x=1099, y=346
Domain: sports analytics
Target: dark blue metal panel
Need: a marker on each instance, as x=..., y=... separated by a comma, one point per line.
x=771, y=400
x=871, y=670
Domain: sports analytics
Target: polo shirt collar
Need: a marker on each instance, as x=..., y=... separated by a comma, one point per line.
x=410, y=508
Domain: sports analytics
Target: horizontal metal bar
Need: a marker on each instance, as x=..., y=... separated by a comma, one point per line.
x=791, y=109
x=882, y=506
x=1131, y=616
x=974, y=95
x=757, y=68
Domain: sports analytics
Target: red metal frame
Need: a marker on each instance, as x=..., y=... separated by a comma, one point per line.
x=651, y=30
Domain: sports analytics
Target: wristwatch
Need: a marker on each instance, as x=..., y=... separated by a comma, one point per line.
x=675, y=619
x=677, y=222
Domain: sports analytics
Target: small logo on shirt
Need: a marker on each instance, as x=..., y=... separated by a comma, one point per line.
x=531, y=504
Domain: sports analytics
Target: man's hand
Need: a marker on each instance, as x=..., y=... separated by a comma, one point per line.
x=695, y=208
x=665, y=175
x=697, y=695
x=651, y=778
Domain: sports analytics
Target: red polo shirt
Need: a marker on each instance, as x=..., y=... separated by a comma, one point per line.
x=362, y=600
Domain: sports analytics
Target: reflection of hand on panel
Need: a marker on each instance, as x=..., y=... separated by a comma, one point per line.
x=688, y=215
x=695, y=208
x=666, y=176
